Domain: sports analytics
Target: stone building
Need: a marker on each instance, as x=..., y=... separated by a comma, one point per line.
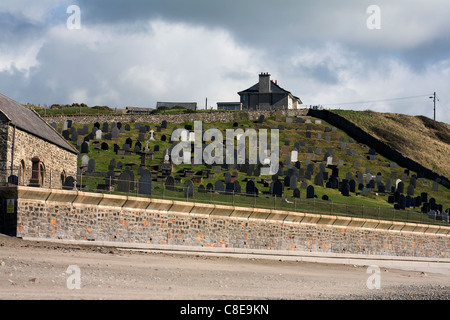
x=268, y=95
x=32, y=153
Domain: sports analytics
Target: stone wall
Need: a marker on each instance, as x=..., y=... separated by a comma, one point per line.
x=72, y=215
x=207, y=117
x=55, y=160
x=3, y=144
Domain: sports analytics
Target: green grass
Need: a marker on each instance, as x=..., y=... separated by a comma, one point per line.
x=374, y=206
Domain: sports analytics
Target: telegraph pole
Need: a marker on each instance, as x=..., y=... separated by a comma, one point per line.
x=434, y=104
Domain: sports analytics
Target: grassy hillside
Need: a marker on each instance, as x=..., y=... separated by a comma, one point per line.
x=417, y=137
x=375, y=204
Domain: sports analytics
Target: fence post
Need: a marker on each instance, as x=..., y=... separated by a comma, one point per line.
x=233, y=198
x=163, y=185
x=362, y=211
x=314, y=205
x=274, y=201
x=110, y=186
x=50, y=186
x=331, y=208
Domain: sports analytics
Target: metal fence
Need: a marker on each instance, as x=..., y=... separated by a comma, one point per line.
x=158, y=188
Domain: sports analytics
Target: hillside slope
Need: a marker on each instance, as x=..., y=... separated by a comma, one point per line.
x=416, y=137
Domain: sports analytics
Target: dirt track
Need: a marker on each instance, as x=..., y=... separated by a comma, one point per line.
x=38, y=270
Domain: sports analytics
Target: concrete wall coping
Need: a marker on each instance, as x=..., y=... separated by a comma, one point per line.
x=167, y=206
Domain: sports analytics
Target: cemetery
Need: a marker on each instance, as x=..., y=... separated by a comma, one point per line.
x=321, y=169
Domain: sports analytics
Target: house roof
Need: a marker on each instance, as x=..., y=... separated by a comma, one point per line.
x=275, y=88
x=29, y=121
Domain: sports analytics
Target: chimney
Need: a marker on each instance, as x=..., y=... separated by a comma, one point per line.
x=264, y=83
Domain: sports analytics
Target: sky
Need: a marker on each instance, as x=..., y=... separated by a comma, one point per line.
x=386, y=56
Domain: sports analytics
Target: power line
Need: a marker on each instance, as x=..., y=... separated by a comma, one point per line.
x=374, y=101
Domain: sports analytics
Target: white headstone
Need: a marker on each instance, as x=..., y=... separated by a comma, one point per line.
x=84, y=160
x=151, y=135
x=329, y=161
x=98, y=134
x=294, y=156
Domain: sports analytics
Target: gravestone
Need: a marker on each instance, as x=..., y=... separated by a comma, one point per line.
x=435, y=186
x=261, y=119
x=73, y=134
x=345, y=190
x=310, y=192
x=424, y=196
x=250, y=187
x=408, y=201
x=303, y=185
x=219, y=186
x=318, y=179
x=66, y=134
x=123, y=183
x=169, y=184
x=296, y=193
x=84, y=147
x=400, y=187
x=227, y=178
x=293, y=182
x=115, y=133
x=352, y=185
x=388, y=185
x=91, y=165
x=401, y=202
x=277, y=188
x=84, y=160
x=188, y=189
x=145, y=183
x=410, y=190
x=104, y=146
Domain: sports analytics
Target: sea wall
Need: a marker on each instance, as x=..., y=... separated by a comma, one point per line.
x=74, y=215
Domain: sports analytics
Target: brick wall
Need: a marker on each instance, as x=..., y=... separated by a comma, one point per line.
x=61, y=214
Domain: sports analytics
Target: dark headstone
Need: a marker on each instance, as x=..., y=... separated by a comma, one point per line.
x=91, y=165
x=145, y=184
x=250, y=187
x=400, y=187
x=352, y=185
x=123, y=183
x=296, y=193
x=115, y=132
x=310, y=192
x=277, y=188
x=318, y=179
x=345, y=190
x=188, y=189
x=84, y=147
x=424, y=196
x=219, y=186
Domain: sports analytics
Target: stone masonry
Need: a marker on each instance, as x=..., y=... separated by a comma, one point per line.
x=105, y=217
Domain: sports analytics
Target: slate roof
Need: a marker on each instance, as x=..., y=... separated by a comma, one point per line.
x=274, y=88
x=29, y=121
